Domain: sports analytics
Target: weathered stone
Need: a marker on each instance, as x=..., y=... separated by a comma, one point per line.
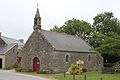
x=54, y=60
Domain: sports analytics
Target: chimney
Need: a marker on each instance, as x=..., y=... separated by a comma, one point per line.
x=0, y=34
x=21, y=40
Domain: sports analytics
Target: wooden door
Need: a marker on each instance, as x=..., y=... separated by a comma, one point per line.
x=36, y=64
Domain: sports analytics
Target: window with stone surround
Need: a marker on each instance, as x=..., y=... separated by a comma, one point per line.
x=89, y=58
x=67, y=58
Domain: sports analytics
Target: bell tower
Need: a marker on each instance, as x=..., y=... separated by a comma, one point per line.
x=37, y=21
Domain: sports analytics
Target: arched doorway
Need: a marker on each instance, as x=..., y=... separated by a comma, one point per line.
x=36, y=64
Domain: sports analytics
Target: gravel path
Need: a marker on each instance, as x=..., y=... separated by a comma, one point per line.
x=10, y=75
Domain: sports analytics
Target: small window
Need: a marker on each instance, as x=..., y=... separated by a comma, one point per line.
x=17, y=53
x=13, y=50
x=89, y=58
x=99, y=61
x=19, y=59
x=67, y=58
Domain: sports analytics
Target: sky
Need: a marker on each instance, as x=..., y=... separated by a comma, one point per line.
x=17, y=16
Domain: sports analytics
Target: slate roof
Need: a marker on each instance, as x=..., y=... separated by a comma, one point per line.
x=11, y=41
x=5, y=48
x=64, y=42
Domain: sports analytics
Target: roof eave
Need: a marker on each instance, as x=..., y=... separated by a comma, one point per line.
x=76, y=51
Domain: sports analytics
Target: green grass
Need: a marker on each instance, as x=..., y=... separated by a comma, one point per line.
x=90, y=76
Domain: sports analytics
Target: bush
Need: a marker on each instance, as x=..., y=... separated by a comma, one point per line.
x=84, y=70
x=109, y=64
x=41, y=72
x=117, y=70
x=7, y=68
x=75, y=69
x=108, y=70
x=117, y=67
x=20, y=69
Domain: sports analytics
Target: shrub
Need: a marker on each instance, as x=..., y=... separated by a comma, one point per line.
x=75, y=69
x=84, y=70
x=20, y=69
x=7, y=68
x=117, y=70
x=41, y=72
x=117, y=67
x=108, y=70
x=109, y=64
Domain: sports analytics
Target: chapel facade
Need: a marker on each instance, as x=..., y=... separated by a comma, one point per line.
x=55, y=52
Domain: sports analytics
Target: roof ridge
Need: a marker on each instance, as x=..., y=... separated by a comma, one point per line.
x=13, y=45
x=10, y=38
x=62, y=33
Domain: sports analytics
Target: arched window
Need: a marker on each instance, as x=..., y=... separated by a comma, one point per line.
x=89, y=58
x=67, y=58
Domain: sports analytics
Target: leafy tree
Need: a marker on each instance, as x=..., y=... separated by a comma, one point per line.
x=106, y=37
x=105, y=23
x=110, y=48
x=75, y=27
x=97, y=39
x=56, y=29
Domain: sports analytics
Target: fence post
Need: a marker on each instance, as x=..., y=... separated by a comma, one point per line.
x=73, y=76
x=64, y=75
x=101, y=78
x=85, y=77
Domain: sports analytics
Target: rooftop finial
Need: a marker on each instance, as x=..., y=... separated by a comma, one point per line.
x=37, y=5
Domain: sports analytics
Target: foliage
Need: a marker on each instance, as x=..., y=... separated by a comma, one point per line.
x=75, y=69
x=108, y=70
x=110, y=48
x=97, y=39
x=75, y=27
x=7, y=68
x=20, y=69
x=105, y=23
x=117, y=67
x=85, y=70
x=109, y=64
x=41, y=72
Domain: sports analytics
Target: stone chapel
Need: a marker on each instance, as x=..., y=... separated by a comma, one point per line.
x=55, y=52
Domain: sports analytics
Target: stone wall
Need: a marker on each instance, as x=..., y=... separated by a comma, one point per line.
x=11, y=56
x=60, y=65
x=38, y=46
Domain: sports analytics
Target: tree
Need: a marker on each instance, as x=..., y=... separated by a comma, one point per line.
x=105, y=23
x=56, y=29
x=75, y=27
x=106, y=37
x=110, y=48
x=97, y=39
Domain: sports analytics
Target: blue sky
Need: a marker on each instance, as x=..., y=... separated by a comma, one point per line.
x=16, y=16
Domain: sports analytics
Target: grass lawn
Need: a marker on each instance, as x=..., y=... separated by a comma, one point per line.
x=90, y=76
